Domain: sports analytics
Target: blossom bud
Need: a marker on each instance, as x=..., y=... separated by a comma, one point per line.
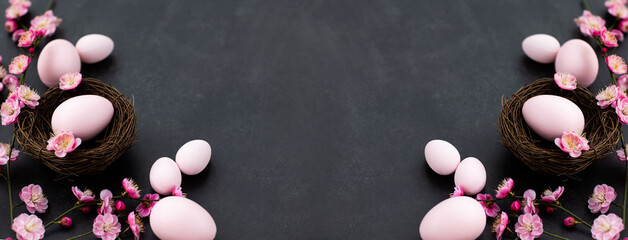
x=604, y=50
x=550, y=209
x=10, y=26
x=120, y=206
x=65, y=222
x=570, y=222
x=85, y=210
x=31, y=50
x=515, y=206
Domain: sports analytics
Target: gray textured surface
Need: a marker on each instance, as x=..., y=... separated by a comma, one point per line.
x=317, y=111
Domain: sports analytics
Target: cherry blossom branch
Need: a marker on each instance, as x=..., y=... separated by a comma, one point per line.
x=68, y=211
x=49, y=5
x=586, y=5
x=9, y=180
x=568, y=212
x=82, y=235
x=554, y=235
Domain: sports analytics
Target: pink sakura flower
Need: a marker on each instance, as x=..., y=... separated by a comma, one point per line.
x=621, y=155
x=572, y=143
x=607, y=38
x=528, y=202
x=457, y=192
x=135, y=224
x=590, y=25
x=106, y=226
x=144, y=209
x=83, y=196
x=615, y=63
x=19, y=64
x=9, y=111
x=549, y=196
x=619, y=11
x=28, y=227
x=105, y=196
x=610, y=3
x=3, y=72
x=500, y=224
x=10, y=81
x=601, y=198
x=565, y=81
x=607, y=227
x=15, y=11
x=529, y=226
x=622, y=82
x=70, y=81
x=131, y=188
x=17, y=34
x=27, y=39
x=622, y=110
x=10, y=26
x=504, y=188
x=619, y=35
x=34, y=198
x=4, y=154
x=46, y=24
x=24, y=3
x=490, y=207
x=63, y=143
x=27, y=96
x=178, y=192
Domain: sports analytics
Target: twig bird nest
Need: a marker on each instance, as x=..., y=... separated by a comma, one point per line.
x=33, y=129
x=602, y=129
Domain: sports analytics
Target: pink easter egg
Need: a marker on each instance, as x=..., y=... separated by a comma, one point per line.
x=164, y=176
x=179, y=218
x=94, y=48
x=85, y=116
x=442, y=157
x=549, y=116
x=58, y=57
x=541, y=47
x=458, y=218
x=193, y=157
x=470, y=176
x=578, y=58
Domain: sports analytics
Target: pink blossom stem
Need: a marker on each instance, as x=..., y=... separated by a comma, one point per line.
x=68, y=211
x=82, y=235
x=569, y=212
x=623, y=207
x=9, y=181
x=554, y=235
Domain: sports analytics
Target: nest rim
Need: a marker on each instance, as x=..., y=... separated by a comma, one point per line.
x=33, y=129
x=602, y=129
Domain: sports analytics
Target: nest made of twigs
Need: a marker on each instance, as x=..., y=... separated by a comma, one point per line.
x=602, y=129
x=33, y=129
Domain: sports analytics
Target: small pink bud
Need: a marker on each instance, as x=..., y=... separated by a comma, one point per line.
x=570, y=222
x=31, y=50
x=10, y=26
x=65, y=222
x=120, y=206
x=515, y=206
x=549, y=209
x=85, y=210
x=604, y=50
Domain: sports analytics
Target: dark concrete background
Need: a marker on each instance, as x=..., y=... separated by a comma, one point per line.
x=317, y=111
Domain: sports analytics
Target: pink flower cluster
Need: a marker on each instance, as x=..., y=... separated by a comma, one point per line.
x=594, y=26
x=41, y=26
x=18, y=98
x=4, y=154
